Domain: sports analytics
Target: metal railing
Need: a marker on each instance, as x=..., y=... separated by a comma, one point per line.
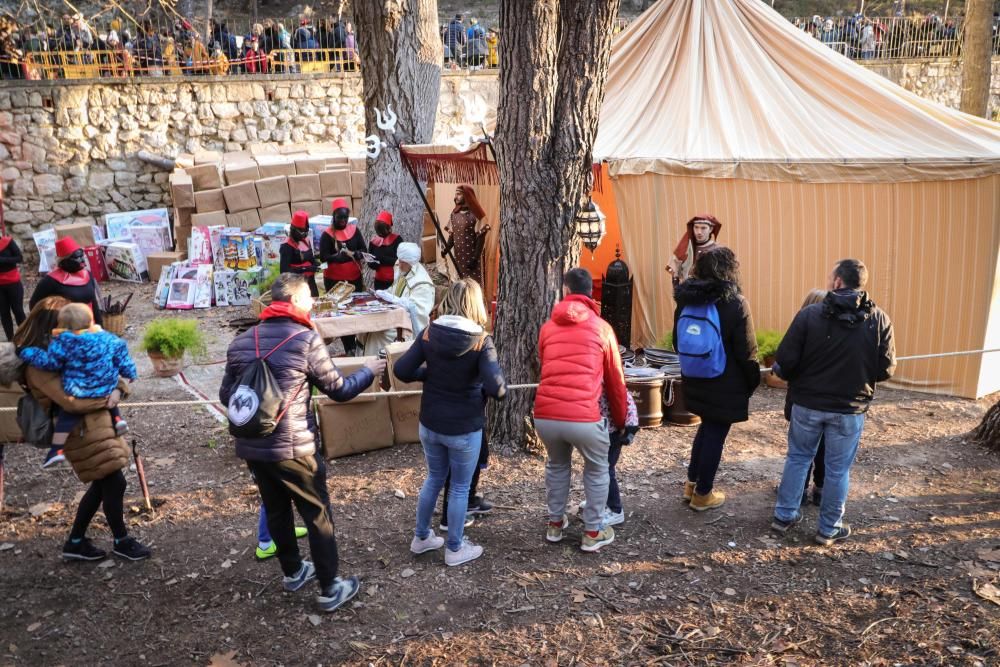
x=888, y=38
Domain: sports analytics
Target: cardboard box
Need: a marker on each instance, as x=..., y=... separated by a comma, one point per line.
x=208, y=219
x=184, y=160
x=247, y=221
x=359, y=182
x=275, y=165
x=273, y=190
x=360, y=425
x=182, y=217
x=276, y=213
x=150, y=238
x=181, y=189
x=9, y=396
x=310, y=207
x=181, y=237
x=429, y=229
x=304, y=187
x=242, y=172
x=125, y=262
x=358, y=163
x=96, y=264
x=338, y=160
x=157, y=261
x=206, y=201
x=404, y=411
x=246, y=286
x=239, y=251
x=334, y=182
x=428, y=249
x=205, y=177
x=310, y=165
x=81, y=232
x=207, y=157
x=357, y=203
x=241, y=197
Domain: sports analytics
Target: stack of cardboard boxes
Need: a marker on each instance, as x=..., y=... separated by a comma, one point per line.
x=247, y=190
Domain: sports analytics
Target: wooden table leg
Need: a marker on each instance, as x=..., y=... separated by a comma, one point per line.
x=399, y=334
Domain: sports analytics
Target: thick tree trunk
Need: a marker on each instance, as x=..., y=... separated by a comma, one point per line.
x=400, y=51
x=546, y=125
x=988, y=431
x=976, y=57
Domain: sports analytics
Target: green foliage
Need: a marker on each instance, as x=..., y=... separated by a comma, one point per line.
x=768, y=341
x=267, y=279
x=666, y=341
x=173, y=337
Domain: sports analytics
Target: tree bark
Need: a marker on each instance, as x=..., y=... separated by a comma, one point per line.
x=976, y=57
x=401, y=55
x=546, y=125
x=988, y=431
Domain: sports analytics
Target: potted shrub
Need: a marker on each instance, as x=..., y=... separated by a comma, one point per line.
x=768, y=341
x=166, y=341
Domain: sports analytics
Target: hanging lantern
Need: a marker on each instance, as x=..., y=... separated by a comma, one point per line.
x=590, y=225
x=616, y=299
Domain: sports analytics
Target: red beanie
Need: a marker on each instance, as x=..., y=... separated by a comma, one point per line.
x=66, y=246
x=300, y=219
x=385, y=217
x=340, y=202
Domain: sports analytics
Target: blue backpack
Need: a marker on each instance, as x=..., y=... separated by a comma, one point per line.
x=699, y=342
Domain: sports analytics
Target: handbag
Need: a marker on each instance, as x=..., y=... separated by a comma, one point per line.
x=35, y=422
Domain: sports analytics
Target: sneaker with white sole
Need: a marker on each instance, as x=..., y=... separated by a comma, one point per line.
x=121, y=427
x=612, y=518
x=604, y=536
x=429, y=543
x=554, y=531
x=53, y=458
x=130, y=548
x=781, y=527
x=469, y=520
x=82, y=550
x=828, y=541
x=305, y=574
x=338, y=593
x=467, y=552
x=479, y=505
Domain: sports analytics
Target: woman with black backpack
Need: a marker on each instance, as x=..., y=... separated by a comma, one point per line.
x=714, y=337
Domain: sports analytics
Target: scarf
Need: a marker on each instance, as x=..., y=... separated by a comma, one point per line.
x=471, y=203
x=286, y=309
x=81, y=277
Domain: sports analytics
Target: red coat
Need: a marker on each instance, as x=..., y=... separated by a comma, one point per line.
x=580, y=359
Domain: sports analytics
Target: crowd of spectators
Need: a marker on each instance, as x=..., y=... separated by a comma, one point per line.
x=469, y=46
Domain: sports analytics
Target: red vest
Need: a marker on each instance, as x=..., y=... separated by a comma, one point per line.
x=385, y=273
x=301, y=247
x=10, y=276
x=349, y=271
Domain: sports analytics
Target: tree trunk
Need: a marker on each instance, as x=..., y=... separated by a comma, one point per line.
x=546, y=125
x=988, y=431
x=976, y=57
x=401, y=54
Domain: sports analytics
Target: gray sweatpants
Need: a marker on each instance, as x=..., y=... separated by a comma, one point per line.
x=592, y=440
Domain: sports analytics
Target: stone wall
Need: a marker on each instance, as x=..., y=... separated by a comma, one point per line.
x=69, y=151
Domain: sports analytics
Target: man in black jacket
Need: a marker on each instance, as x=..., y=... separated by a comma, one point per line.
x=285, y=464
x=832, y=355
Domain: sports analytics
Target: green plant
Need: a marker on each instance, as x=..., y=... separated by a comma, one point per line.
x=666, y=341
x=768, y=341
x=173, y=337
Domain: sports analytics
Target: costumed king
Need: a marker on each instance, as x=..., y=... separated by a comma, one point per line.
x=383, y=247
x=468, y=233
x=297, y=254
x=412, y=289
x=700, y=237
x=71, y=280
x=342, y=248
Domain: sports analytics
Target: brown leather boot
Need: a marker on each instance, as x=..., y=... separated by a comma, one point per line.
x=709, y=501
x=688, y=491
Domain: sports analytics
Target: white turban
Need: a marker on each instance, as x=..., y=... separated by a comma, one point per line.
x=409, y=253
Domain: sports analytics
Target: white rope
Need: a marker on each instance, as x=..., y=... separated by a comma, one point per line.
x=511, y=387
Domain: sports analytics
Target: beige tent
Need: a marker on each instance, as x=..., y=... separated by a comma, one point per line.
x=722, y=106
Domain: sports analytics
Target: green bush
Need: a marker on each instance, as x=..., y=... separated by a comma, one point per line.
x=666, y=341
x=173, y=337
x=768, y=341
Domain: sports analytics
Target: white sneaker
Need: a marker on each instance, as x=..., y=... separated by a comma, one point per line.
x=429, y=543
x=305, y=574
x=469, y=551
x=612, y=518
x=582, y=505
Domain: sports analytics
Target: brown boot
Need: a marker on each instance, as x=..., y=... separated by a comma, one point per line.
x=688, y=491
x=709, y=501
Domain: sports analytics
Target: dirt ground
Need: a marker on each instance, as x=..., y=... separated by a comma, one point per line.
x=675, y=588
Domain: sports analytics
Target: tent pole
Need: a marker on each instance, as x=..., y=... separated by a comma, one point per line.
x=445, y=247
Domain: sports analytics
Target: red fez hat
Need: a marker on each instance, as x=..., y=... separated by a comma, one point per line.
x=300, y=219
x=66, y=246
x=385, y=217
x=340, y=202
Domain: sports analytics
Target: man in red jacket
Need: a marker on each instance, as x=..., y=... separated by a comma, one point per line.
x=580, y=360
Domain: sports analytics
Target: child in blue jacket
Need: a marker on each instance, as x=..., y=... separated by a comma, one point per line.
x=90, y=361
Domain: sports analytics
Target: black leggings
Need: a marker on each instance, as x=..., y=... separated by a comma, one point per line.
x=110, y=491
x=11, y=301
x=706, y=452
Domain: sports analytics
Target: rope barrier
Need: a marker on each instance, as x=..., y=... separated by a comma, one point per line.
x=511, y=387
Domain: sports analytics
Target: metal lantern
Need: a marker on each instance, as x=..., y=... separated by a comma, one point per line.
x=590, y=225
x=616, y=299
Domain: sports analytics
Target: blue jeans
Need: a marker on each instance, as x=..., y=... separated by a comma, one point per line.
x=458, y=454
x=263, y=534
x=841, y=434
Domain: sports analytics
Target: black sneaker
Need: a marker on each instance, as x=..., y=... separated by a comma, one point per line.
x=842, y=534
x=479, y=505
x=131, y=549
x=782, y=527
x=817, y=496
x=82, y=550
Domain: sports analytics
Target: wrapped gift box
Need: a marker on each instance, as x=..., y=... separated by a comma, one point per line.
x=96, y=263
x=125, y=261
